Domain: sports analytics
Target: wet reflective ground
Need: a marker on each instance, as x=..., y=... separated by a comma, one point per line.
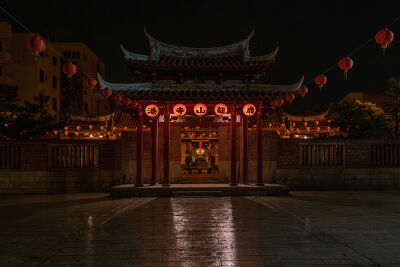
x=308, y=228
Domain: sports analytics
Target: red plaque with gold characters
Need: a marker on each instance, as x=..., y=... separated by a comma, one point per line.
x=179, y=109
x=151, y=110
x=220, y=109
x=200, y=109
x=249, y=110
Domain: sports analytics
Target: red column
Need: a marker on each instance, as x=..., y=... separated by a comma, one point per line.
x=233, y=146
x=259, y=146
x=139, y=146
x=154, y=147
x=166, y=145
x=245, y=129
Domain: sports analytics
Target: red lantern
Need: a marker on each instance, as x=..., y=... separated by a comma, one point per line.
x=303, y=90
x=290, y=97
x=77, y=133
x=220, y=109
x=55, y=132
x=114, y=128
x=384, y=37
x=179, y=110
x=328, y=129
x=125, y=128
x=151, y=110
x=278, y=132
x=126, y=101
x=320, y=80
x=66, y=133
x=102, y=128
x=200, y=109
x=36, y=45
x=106, y=92
x=89, y=82
x=316, y=122
x=182, y=135
x=90, y=127
x=249, y=110
x=282, y=125
x=318, y=129
x=298, y=130
x=117, y=98
x=269, y=125
x=6, y=125
x=305, y=124
x=279, y=102
x=86, y=133
x=186, y=128
x=345, y=64
x=78, y=128
x=66, y=128
x=308, y=129
x=69, y=69
x=214, y=133
x=293, y=124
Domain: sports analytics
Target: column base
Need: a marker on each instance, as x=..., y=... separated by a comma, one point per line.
x=139, y=185
x=259, y=184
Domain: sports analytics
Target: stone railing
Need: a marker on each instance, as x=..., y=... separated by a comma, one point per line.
x=10, y=156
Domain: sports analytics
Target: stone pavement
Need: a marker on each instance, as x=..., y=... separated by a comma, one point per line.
x=339, y=228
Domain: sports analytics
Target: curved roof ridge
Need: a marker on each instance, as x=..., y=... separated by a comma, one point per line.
x=280, y=87
x=264, y=57
x=123, y=86
x=133, y=56
x=158, y=48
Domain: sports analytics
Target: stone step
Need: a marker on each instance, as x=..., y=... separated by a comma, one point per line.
x=196, y=193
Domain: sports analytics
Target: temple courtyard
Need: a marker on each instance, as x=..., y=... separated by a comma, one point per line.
x=341, y=228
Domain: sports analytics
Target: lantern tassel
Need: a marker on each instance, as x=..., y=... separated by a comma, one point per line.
x=384, y=46
x=345, y=74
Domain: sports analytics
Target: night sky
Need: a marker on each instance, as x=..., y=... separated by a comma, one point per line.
x=311, y=35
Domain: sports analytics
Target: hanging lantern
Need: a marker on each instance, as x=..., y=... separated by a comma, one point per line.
x=282, y=125
x=126, y=101
x=66, y=128
x=316, y=122
x=78, y=128
x=293, y=124
x=182, y=135
x=345, y=64
x=220, y=109
x=200, y=109
x=86, y=133
x=125, y=128
x=69, y=69
x=66, y=133
x=287, y=132
x=77, y=133
x=186, y=128
x=298, y=130
x=328, y=129
x=197, y=128
x=179, y=110
x=303, y=90
x=337, y=129
x=151, y=110
x=318, y=129
x=308, y=129
x=106, y=92
x=90, y=83
x=278, y=132
x=102, y=128
x=90, y=127
x=305, y=124
x=269, y=125
x=114, y=128
x=55, y=132
x=249, y=110
x=384, y=37
x=6, y=125
x=214, y=133
x=36, y=45
x=320, y=80
x=279, y=102
x=329, y=121
x=117, y=98
x=290, y=97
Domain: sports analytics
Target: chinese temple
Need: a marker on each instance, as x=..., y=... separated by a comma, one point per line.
x=199, y=113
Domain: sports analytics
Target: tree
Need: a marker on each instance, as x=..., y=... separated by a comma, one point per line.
x=361, y=119
x=30, y=121
x=394, y=90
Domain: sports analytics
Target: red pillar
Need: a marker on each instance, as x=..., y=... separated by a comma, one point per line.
x=233, y=146
x=259, y=146
x=166, y=145
x=154, y=147
x=245, y=129
x=139, y=146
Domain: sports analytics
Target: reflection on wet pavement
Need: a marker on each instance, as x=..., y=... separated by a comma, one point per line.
x=307, y=228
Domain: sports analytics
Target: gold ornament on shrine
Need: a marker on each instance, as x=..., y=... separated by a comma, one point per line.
x=200, y=109
x=249, y=110
x=151, y=110
x=179, y=110
x=220, y=109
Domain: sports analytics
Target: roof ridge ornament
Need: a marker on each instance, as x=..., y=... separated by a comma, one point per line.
x=158, y=48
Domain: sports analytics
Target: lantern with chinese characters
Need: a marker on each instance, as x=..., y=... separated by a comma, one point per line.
x=320, y=80
x=384, y=37
x=69, y=69
x=200, y=109
x=179, y=110
x=36, y=45
x=249, y=110
x=220, y=109
x=303, y=90
x=345, y=64
x=151, y=110
x=289, y=97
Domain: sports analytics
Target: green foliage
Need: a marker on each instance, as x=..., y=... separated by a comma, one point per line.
x=30, y=121
x=361, y=119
